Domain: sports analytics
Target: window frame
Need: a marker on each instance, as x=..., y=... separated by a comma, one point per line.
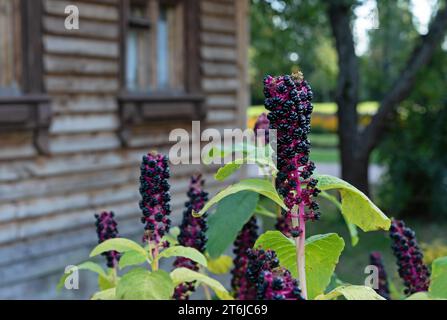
x=160, y=105
x=29, y=110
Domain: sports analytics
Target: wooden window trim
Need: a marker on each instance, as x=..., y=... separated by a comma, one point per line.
x=30, y=110
x=187, y=106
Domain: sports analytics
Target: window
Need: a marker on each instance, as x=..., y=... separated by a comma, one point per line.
x=154, y=46
x=23, y=106
x=10, y=47
x=160, y=50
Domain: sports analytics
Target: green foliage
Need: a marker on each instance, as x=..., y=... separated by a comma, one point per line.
x=356, y=207
x=118, y=244
x=228, y=219
x=88, y=265
x=221, y=265
x=132, y=258
x=350, y=292
x=322, y=254
x=181, y=275
x=415, y=161
x=260, y=186
x=438, y=280
x=186, y=252
x=141, y=284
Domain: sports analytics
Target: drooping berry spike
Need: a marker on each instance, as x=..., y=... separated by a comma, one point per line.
x=243, y=290
x=192, y=232
x=106, y=228
x=271, y=281
x=288, y=98
x=154, y=190
x=411, y=267
x=262, y=123
x=375, y=259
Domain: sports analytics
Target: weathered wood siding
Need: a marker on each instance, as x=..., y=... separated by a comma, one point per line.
x=47, y=202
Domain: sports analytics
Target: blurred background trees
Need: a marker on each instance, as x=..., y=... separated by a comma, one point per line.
x=371, y=50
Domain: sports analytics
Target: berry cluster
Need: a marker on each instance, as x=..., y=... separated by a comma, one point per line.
x=288, y=98
x=375, y=259
x=192, y=232
x=412, y=270
x=106, y=228
x=154, y=190
x=243, y=290
x=262, y=123
x=271, y=281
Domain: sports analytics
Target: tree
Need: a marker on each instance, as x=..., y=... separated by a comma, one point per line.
x=356, y=146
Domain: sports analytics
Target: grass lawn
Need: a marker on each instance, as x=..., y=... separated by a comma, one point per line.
x=367, y=107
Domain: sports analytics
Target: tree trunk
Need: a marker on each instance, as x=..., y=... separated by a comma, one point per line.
x=355, y=171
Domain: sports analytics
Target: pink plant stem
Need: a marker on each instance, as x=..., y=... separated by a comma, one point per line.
x=301, y=257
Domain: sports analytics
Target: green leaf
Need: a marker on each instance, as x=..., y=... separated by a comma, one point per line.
x=419, y=296
x=260, y=210
x=351, y=292
x=132, y=258
x=171, y=237
x=88, y=265
x=351, y=227
x=322, y=254
x=108, y=294
x=261, y=186
x=140, y=284
x=221, y=265
x=118, y=244
x=181, y=275
x=227, y=170
x=356, y=207
x=186, y=252
x=438, y=280
x=231, y=215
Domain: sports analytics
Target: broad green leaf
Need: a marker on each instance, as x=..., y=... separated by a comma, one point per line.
x=141, y=284
x=438, y=280
x=221, y=265
x=351, y=292
x=228, y=219
x=260, y=186
x=356, y=207
x=131, y=258
x=181, y=275
x=88, y=265
x=117, y=244
x=108, y=294
x=322, y=254
x=419, y=296
x=227, y=170
x=351, y=227
x=186, y=252
x=105, y=283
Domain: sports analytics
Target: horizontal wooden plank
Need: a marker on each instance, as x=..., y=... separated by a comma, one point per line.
x=72, y=65
x=217, y=8
x=84, y=104
x=221, y=101
x=210, y=23
x=81, y=47
x=70, y=84
x=217, y=116
x=215, y=38
x=84, y=142
x=33, y=188
x=84, y=123
x=88, y=29
x=86, y=10
x=219, y=69
x=220, y=85
x=16, y=146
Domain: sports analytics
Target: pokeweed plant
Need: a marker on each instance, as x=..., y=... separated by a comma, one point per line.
x=281, y=264
x=152, y=282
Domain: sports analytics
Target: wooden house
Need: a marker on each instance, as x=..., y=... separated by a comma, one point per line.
x=79, y=108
